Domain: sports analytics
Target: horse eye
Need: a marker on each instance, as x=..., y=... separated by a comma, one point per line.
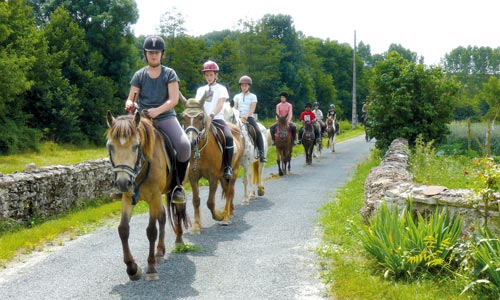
x=110, y=147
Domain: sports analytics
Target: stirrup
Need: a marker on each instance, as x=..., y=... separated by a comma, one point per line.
x=177, y=195
x=228, y=173
x=263, y=159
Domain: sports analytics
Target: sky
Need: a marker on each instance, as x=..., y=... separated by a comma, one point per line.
x=431, y=28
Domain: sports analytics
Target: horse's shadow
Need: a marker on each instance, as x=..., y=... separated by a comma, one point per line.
x=178, y=271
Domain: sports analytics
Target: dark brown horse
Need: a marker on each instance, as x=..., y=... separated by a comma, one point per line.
x=206, y=160
x=283, y=142
x=308, y=141
x=142, y=172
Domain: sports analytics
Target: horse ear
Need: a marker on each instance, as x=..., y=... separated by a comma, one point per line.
x=137, y=118
x=110, y=119
x=182, y=98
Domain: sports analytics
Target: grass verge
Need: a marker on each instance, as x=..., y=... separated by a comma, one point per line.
x=347, y=269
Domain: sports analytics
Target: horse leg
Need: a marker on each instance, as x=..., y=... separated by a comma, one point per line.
x=160, y=248
x=258, y=171
x=196, y=205
x=280, y=171
x=216, y=214
x=246, y=182
x=152, y=233
x=134, y=273
x=228, y=195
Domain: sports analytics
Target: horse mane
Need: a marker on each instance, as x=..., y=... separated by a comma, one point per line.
x=124, y=128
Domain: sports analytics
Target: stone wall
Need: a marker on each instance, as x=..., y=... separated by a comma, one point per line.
x=52, y=190
x=391, y=182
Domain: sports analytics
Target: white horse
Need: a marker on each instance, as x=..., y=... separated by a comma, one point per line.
x=253, y=168
x=318, y=146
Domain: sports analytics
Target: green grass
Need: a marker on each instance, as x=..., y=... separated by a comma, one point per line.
x=348, y=270
x=50, y=154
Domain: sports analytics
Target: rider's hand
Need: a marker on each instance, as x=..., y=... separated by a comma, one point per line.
x=129, y=105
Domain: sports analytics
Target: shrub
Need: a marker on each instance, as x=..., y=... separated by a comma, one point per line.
x=407, y=246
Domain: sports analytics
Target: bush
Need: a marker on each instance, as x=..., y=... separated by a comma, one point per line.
x=409, y=246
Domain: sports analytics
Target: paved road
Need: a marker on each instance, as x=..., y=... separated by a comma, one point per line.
x=267, y=252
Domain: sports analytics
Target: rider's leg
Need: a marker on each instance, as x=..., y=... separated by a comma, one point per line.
x=316, y=134
x=228, y=151
x=178, y=150
x=260, y=140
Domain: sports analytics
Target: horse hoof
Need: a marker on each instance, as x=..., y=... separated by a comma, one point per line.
x=196, y=229
x=245, y=202
x=152, y=276
x=261, y=192
x=224, y=223
x=136, y=276
x=160, y=260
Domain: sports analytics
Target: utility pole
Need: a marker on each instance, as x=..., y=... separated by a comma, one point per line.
x=354, y=113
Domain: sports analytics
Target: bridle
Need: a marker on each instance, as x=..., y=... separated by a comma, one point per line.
x=200, y=134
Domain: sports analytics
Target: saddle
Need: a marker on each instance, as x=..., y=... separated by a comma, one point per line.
x=252, y=133
x=218, y=133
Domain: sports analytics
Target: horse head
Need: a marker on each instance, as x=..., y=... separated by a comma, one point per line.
x=195, y=121
x=282, y=121
x=231, y=114
x=129, y=139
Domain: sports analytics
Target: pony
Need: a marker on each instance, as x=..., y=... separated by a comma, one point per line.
x=142, y=171
x=207, y=147
x=252, y=167
x=308, y=141
x=331, y=132
x=283, y=143
x=318, y=145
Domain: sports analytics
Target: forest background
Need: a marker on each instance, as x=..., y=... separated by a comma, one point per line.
x=66, y=63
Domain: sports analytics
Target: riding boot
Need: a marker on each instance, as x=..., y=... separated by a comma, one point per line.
x=228, y=158
x=176, y=188
x=301, y=132
x=260, y=146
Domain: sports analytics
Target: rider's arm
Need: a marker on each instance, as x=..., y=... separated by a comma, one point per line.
x=290, y=113
x=251, y=111
x=131, y=102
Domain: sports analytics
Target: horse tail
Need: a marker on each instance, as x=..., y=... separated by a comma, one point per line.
x=256, y=173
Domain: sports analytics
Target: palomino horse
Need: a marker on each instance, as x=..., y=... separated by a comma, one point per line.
x=253, y=168
x=308, y=141
x=283, y=142
x=207, y=147
x=331, y=133
x=142, y=172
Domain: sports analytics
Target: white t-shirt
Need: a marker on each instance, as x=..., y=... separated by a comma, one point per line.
x=244, y=102
x=218, y=91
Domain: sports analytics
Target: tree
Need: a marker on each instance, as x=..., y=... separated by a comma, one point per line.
x=19, y=39
x=409, y=100
x=491, y=95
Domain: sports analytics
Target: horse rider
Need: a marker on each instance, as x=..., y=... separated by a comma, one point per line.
x=308, y=115
x=213, y=105
x=319, y=117
x=364, y=112
x=284, y=108
x=246, y=102
x=332, y=112
x=157, y=88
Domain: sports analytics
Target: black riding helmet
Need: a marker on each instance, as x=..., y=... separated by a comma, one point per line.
x=154, y=43
x=307, y=105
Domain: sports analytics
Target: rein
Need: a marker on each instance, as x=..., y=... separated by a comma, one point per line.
x=200, y=134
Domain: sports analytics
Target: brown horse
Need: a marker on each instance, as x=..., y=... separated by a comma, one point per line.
x=331, y=132
x=283, y=141
x=142, y=172
x=308, y=141
x=206, y=160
